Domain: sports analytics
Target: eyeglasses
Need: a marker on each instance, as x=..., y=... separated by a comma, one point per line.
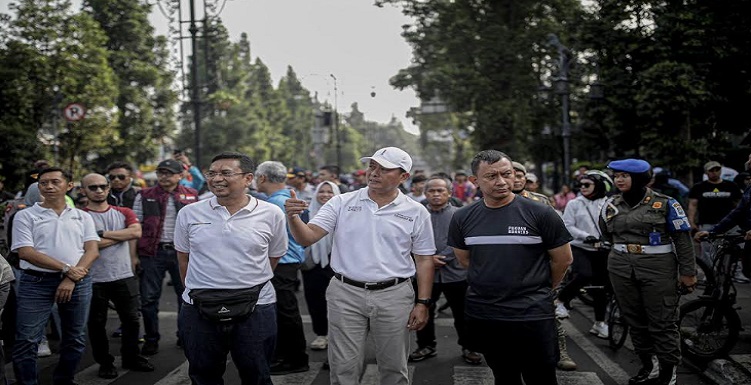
x=118, y=176
x=224, y=174
x=587, y=184
x=97, y=187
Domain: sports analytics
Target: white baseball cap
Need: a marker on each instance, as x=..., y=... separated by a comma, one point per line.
x=391, y=157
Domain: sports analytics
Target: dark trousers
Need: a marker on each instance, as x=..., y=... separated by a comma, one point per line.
x=516, y=350
x=454, y=293
x=4, y=291
x=649, y=305
x=290, y=346
x=589, y=268
x=125, y=295
x=250, y=342
x=316, y=282
x=151, y=280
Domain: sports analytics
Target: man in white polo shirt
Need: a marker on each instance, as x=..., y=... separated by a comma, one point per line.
x=229, y=244
x=57, y=245
x=371, y=291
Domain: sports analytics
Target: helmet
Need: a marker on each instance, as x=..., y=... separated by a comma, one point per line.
x=599, y=177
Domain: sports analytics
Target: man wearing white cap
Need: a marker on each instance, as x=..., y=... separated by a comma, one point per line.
x=375, y=229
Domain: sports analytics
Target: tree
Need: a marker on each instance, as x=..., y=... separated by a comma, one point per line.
x=140, y=60
x=59, y=58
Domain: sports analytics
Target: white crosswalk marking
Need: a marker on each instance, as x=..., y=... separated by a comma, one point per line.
x=179, y=376
x=611, y=368
x=370, y=377
x=473, y=375
x=89, y=376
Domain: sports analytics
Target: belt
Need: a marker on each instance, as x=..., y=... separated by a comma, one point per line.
x=632, y=248
x=166, y=246
x=38, y=273
x=370, y=285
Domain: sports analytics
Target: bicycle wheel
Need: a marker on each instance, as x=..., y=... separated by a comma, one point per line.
x=617, y=327
x=708, y=329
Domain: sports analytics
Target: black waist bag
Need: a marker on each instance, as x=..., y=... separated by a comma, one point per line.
x=226, y=305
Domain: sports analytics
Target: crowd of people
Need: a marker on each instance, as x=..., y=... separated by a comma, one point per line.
x=375, y=256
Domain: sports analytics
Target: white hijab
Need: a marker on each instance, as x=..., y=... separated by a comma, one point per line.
x=321, y=250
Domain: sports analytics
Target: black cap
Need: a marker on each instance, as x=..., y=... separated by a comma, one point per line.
x=172, y=165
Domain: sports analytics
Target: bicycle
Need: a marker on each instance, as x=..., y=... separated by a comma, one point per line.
x=710, y=325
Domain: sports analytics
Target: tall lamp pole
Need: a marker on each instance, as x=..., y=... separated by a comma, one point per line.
x=564, y=63
x=336, y=125
x=195, y=89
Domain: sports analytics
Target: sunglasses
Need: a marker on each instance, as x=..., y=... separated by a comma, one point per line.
x=97, y=187
x=587, y=184
x=118, y=176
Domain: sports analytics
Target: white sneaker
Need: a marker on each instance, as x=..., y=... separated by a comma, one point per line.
x=739, y=277
x=600, y=329
x=560, y=310
x=320, y=343
x=44, y=349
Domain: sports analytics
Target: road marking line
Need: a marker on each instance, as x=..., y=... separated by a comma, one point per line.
x=90, y=375
x=178, y=376
x=473, y=375
x=303, y=378
x=611, y=368
x=371, y=375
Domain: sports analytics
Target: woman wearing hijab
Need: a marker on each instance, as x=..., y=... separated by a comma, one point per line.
x=652, y=255
x=590, y=258
x=317, y=273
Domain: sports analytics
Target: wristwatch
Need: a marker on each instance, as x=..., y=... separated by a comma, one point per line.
x=66, y=269
x=100, y=233
x=424, y=301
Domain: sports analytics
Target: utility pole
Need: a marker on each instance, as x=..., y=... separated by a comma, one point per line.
x=564, y=63
x=336, y=125
x=195, y=89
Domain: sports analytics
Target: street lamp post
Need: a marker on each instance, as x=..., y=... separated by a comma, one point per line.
x=195, y=89
x=336, y=125
x=561, y=88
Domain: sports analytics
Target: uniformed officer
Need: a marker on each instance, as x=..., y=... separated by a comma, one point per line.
x=651, y=247
x=565, y=362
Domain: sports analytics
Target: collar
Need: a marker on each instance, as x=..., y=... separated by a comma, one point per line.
x=252, y=203
x=283, y=191
x=400, y=197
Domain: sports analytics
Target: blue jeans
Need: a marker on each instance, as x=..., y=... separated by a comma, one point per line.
x=251, y=343
x=152, y=279
x=36, y=295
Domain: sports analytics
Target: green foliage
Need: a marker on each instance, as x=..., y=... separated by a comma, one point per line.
x=52, y=56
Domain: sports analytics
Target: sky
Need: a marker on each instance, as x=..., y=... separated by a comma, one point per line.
x=357, y=42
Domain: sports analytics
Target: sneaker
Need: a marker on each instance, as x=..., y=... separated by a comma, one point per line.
x=44, y=349
x=600, y=329
x=107, y=371
x=472, y=358
x=320, y=343
x=739, y=277
x=422, y=353
x=283, y=367
x=150, y=348
x=560, y=310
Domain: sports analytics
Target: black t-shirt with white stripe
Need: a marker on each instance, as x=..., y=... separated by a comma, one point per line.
x=509, y=272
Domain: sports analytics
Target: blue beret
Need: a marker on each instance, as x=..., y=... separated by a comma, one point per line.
x=635, y=166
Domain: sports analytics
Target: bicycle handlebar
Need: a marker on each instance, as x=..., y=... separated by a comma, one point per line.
x=730, y=238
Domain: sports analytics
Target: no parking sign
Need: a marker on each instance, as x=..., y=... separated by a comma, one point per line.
x=74, y=112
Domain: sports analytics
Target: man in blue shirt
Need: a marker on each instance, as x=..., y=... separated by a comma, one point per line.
x=271, y=178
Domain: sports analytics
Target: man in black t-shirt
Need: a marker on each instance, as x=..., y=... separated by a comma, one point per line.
x=709, y=201
x=516, y=251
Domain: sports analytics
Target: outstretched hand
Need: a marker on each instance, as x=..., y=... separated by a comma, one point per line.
x=294, y=206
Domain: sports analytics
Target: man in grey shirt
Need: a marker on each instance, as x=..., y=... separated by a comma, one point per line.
x=450, y=277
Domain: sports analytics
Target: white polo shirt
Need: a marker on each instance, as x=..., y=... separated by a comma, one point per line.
x=231, y=252
x=58, y=236
x=374, y=244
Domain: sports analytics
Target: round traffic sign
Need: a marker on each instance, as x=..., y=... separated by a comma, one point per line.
x=74, y=112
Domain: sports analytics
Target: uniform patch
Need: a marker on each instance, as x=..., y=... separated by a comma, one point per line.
x=657, y=205
x=679, y=209
x=677, y=223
